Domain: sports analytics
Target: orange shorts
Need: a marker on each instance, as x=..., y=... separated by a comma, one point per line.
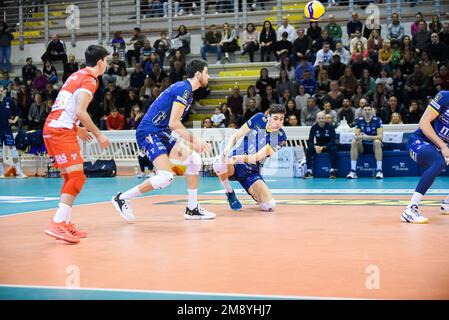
x=62, y=144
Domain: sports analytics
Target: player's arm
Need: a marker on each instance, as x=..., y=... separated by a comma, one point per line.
x=425, y=124
x=234, y=138
x=379, y=135
x=263, y=153
x=357, y=133
x=81, y=113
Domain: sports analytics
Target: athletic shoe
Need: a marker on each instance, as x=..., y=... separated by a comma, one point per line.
x=2, y=176
x=412, y=215
x=60, y=232
x=444, y=209
x=123, y=207
x=352, y=175
x=21, y=176
x=234, y=203
x=74, y=231
x=332, y=175
x=308, y=175
x=379, y=174
x=198, y=214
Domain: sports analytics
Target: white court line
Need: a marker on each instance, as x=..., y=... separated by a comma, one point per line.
x=25, y=199
x=242, y=295
x=341, y=191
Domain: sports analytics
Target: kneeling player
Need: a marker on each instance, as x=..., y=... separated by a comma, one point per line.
x=262, y=136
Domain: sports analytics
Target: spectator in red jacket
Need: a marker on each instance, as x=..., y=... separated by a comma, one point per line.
x=115, y=121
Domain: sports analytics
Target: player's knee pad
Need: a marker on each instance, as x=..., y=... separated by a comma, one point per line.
x=193, y=164
x=268, y=206
x=74, y=184
x=219, y=166
x=13, y=152
x=162, y=179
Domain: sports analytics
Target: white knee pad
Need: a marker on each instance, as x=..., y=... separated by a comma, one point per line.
x=13, y=152
x=193, y=164
x=162, y=179
x=219, y=166
x=268, y=206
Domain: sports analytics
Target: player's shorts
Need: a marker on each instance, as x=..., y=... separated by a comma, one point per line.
x=420, y=149
x=246, y=175
x=63, y=146
x=154, y=144
x=368, y=147
x=6, y=137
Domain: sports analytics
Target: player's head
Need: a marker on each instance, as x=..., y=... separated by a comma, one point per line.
x=276, y=116
x=320, y=119
x=367, y=112
x=96, y=57
x=197, y=70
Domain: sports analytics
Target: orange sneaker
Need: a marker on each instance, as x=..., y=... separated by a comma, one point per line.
x=60, y=232
x=75, y=232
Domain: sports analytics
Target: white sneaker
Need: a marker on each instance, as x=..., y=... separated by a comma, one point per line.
x=165, y=16
x=2, y=176
x=193, y=5
x=198, y=214
x=123, y=207
x=444, y=209
x=379, y=174
x=21, y=175
x=181, y=12
x=412, y=215
x=352, y=175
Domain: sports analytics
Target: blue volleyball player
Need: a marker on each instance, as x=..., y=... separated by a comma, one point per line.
x=259, y=138
x=154, y=137
x=429, y=148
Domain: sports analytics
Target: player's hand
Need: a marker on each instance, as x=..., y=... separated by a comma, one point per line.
x=103, y=141
x=202, y=147
x=445, y=153
x=84, y=135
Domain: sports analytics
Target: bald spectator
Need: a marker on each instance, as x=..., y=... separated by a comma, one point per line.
x=333, y=29
x=285, y=27
x=56, y=50
x=353, y=25
x=437, y=50
x=308, y=114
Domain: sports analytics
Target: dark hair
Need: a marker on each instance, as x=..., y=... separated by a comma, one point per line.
x=276, y=108
x=94, y=53
x=252, y=25
x=285, y=34
x=29, y=58
x=195, y=66
x=137, y=29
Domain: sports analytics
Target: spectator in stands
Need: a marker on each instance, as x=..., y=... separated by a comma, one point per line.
x=370, y=27
x=177, y=56
x=115, y=121
x=437, y=50
x=50, y=93
x=218, y=119
x=162, y=46
x=375, y=43
x=286, y=65
x=396, y=118
x=267, y=40
x=228, y=42
x=283, y=47
x=28, y=72
x=358, y=95
x=421, y=39
x=40, y=81
x=435, y=25
x=416, y=85
x=359, y=65
x=407, y=46
x=302, y=46
x=347, y=112
x=308, y=114
x=157, y=74
x=304, y=65
x=184, y=36
x=284, y=96
x=136, y=116
x=348, y=82
x=137, y=41
x=250, y=41
x=368, y=139
x=321, y=139
x=70, y=67
x=429, y=66
x=309, y=84
x=359, y=108
x=145, y=52
x=411, y=114
x=37, y=114
x=137, y=77
x=353, y=25
x=118, y=45
x=130, y=102
x=178, y=72
x=284, y=83
x=251, y=94
x=386, y=80
x=207, y=123
x=50, y=73
x=333, y=29
x=24, y=102
x=212, y=40
x=145, y=90
x=444, y=75
x=392, y=107
x=336, y=69
x=292, y=121
x=107, y=105
x=414, y=28
x=334, y=96
x=395, y=30
x=323, y=83
x=398, y=85
x=324, y=37
x=357, y=37
x=344, y=54
x=323, y=57
x=233, y=125
x=291, y=110
x=153, y=96
x=235, y=102
x=114, y=69
x=5, y=47
x=314, y=31
x=301, y=98
x=264, y=81
x=5, y=80
x=359, y=51
x=251, y=111
x=56, y=50
x=379, y=99
x=327, y=110
x=269, y=98
x=444, y=34
x=154, y=59
x=407, y=63
x=123, y=79
x=286, y=27
x=227, y=113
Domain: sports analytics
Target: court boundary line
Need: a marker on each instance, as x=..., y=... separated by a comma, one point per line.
x=168, y=292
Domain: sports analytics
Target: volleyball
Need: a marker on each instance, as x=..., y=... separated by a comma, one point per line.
x=314, y=10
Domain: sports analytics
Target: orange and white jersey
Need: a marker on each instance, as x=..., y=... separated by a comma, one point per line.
x=63, y=111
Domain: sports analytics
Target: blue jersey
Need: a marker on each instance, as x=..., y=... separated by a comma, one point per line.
x=259, y=136
x=440, y=105
x=8, y=110
x=158, y=115
x=369, y=128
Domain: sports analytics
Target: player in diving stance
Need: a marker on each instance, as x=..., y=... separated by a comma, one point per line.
x=429, y=148
x=241, y=159
x=155, y=140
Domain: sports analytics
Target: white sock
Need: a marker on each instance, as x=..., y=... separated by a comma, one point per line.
x=2, y=172
x=130, y=194
x=193, y=198
x=415, y=200
x=379, y=165
x=63, y=213
x=353, y=165
x=447, y=199
x=227, y=185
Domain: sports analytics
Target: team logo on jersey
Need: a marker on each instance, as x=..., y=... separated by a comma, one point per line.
x=161, y=116
x=186, y=94
x=437, y=97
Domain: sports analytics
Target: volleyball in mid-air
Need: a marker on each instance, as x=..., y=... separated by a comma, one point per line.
x=314, y=10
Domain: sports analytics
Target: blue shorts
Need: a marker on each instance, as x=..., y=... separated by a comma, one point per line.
x=6, y=137
x=246, y=175
x=368, y=147
x=155, y=144
x=419, y=147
